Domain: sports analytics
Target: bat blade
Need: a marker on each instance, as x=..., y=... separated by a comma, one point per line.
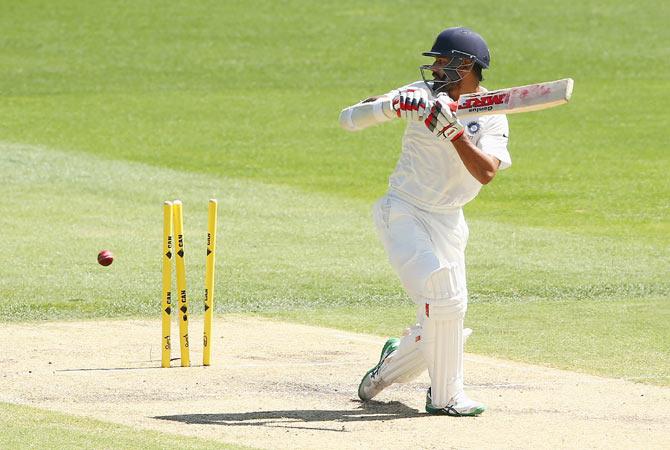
x=533, y=97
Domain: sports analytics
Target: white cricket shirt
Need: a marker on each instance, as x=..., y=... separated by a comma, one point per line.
x=431, y=175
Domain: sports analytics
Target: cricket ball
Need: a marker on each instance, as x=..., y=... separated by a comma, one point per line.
x=105, y=258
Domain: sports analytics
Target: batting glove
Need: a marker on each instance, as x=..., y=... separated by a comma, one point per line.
x=411, y=104
x=442, y=121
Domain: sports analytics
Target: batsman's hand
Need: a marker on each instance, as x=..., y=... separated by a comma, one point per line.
x=411, y=104
x=442, y=120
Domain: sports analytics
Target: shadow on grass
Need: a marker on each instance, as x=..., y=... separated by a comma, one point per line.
x=365, y=412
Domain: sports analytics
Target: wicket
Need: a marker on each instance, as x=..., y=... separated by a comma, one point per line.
x=209, y=281
x=167, y=283
x=173, y=221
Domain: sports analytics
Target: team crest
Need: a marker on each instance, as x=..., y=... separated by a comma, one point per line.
x=473, y=127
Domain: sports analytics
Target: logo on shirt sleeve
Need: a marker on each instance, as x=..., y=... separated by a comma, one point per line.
x=473, y=127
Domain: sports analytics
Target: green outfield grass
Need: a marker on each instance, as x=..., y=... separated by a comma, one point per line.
x=109, y=108
x=591, y=303
x=26, y=427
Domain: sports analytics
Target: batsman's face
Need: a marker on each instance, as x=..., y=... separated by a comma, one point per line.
x=446, y=72
x=451, y=67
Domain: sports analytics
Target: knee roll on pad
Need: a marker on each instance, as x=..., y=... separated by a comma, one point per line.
x=446, y=284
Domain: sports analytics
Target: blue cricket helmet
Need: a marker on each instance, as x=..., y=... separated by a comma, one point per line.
x=457, y=41
x=462, y=50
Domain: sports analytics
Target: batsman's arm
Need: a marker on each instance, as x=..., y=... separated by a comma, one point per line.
x=481, y=165
x=443, y=123
x=369, y=112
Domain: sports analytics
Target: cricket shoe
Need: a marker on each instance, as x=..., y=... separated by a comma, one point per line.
x=459, y=405
x=371, y=385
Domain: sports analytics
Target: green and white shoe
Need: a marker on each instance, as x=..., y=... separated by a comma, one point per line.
x=370, y=384
x=459, y=405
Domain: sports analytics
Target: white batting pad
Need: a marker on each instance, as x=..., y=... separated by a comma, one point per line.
x=406, y=363
x=442, y=348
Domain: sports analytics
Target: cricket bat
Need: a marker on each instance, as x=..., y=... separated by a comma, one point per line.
x=533, y=97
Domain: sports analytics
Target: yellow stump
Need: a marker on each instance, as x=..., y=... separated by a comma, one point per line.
x=181, y=283
x=209, y=281
x=167, y=283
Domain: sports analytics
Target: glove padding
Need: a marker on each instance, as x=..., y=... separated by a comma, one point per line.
x=411, y=104
x=442, y=121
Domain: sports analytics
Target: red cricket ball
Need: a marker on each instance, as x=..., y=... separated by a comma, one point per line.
x=105, y=258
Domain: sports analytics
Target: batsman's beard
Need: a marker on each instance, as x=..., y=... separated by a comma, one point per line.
x=449, y=88
x=449, y=80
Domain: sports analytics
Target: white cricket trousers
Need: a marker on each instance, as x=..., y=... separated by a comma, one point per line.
x=419, y=243
x=427, y=251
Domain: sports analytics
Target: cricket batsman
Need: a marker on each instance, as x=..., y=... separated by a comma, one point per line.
x=443, y=165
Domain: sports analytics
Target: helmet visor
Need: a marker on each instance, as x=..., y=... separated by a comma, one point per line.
x=446, y=71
